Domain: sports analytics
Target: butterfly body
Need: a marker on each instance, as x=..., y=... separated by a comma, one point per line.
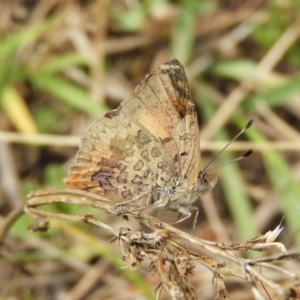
x=148, y=149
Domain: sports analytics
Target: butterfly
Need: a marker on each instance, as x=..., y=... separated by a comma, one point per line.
x=147, y=151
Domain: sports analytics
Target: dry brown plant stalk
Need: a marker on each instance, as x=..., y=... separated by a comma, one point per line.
x=167, y=251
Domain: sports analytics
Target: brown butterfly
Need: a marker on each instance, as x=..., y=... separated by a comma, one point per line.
x=147, y=151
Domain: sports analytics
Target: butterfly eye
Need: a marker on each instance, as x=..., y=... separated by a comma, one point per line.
x=203, y=185
x=206, y=183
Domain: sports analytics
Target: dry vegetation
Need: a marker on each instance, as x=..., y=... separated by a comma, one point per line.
x=65, y=63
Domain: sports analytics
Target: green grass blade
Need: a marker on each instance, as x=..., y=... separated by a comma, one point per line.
x=182, y=35
x=23, y=37
x=275, y=96
x=231, y=179
x=235, y=69
x=62, y=62
x=68, y=92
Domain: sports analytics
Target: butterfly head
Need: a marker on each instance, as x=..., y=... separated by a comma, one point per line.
x=206, y=182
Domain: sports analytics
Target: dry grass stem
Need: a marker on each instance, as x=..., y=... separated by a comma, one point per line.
x=166, y=248
x=73, y=141
x=282, y=127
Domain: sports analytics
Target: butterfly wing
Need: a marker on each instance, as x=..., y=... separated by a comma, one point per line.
x=175, y=88
x=151, y=139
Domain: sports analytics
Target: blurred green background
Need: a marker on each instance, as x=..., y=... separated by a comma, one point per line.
x=65, y=63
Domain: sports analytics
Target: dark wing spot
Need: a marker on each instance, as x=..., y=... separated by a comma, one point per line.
x=139, y=165
x=127, y=194
x=145, y=154
x=176, y=157
x=105, y=162
x=185, y=137
x=103, y=177
x=121, y=167
x=165, y=140
x=137, y=180
x=112, y=113
x=142, y=139
x=122, y=177
x=147, y=173
x=155, y=152
x=161, y=165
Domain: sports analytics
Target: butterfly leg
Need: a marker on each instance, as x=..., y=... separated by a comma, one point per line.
x=195, y=219
x=129, y=201
x=182, y=210
x=157, y=204
x=187, y=213
x=124, y=203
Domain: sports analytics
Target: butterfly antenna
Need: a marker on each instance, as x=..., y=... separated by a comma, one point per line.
x=249, y=152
